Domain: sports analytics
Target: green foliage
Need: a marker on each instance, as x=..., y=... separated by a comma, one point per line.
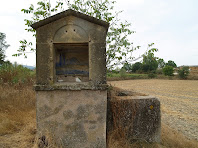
x=119, y=48
x=122, y=72
x=161, y=63
x=159, y=71
x=22, y=49
x=127, y=67
x=115, y=71
x=168, y=71
x=109, y=74
x=152, y=74
x=117, y=76
x=118, y=44
x=171, y=63
x=3, y=46
x=149, y=60
x=183, y=72
x=13, y=74
x=42, y=11
x=137, y=66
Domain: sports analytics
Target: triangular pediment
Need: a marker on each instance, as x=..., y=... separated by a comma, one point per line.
x=70, y=12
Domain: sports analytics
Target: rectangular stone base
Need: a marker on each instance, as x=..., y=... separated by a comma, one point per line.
x=74, y=118
x=137, y=118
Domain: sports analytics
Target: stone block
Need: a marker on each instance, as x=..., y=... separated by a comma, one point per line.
x=74, y=118
x=137, y=118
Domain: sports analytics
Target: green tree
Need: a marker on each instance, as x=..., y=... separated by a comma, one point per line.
x=168, y=70
x=119, y=48
x=171, y=63
x=118, y=44
x=3, y=47
x=127, y=67
x=161, y=63
x=183, y=72
x=137, y=66
x=149, y=60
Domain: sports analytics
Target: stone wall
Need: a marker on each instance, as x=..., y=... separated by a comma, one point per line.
x=75, y=118
x=70, y=30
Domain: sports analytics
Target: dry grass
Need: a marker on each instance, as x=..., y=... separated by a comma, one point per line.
x=193, y=77
x=173, y=139
x=17, y=103
x=170, y=138
x=17, y=115
x=18, y=124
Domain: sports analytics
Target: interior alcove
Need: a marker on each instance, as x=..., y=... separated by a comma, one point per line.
x=71, y=62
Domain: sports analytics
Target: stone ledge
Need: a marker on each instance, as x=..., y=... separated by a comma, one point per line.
x=71, y=86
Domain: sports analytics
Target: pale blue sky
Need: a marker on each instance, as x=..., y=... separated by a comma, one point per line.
x=171, y=24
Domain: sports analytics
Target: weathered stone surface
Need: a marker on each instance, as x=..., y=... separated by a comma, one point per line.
x=72, y=86
x=75, y=118
x=96, y=67
x=67, y=31
x=71, y=34
x=71, y=79
x=70, y=12
x=42, y=57
x=134, y=117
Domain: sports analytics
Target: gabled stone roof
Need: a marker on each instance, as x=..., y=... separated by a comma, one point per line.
x=69, y=12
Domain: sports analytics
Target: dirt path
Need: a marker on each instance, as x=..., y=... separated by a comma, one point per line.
x=179, y=101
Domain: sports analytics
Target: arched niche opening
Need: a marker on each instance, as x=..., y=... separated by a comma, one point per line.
x=72, y=62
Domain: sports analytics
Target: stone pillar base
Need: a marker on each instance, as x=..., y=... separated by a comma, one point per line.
x=74, y=118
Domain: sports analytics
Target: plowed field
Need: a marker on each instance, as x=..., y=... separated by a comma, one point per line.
x=179, y=101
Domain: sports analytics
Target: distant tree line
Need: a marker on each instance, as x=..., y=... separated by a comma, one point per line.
x=153, y=65
x=150, y=63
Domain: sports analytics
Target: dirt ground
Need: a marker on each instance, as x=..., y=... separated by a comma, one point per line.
x=179, y=101
x=179, y=110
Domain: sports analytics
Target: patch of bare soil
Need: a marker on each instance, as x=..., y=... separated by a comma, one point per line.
x=179, y=101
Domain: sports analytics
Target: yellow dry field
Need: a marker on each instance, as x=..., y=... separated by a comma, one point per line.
x=17, y=116
x=179, y=110
x=179, y=101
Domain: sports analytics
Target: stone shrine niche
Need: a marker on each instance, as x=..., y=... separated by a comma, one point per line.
x=71, y=87
x=72, y=62
x=71, y=54
x=71, y=47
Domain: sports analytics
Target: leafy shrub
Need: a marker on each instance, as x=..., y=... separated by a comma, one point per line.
x=168, y=71
x=184, y=72
x=109, y=74
x=137, y=66
x=152, y=74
